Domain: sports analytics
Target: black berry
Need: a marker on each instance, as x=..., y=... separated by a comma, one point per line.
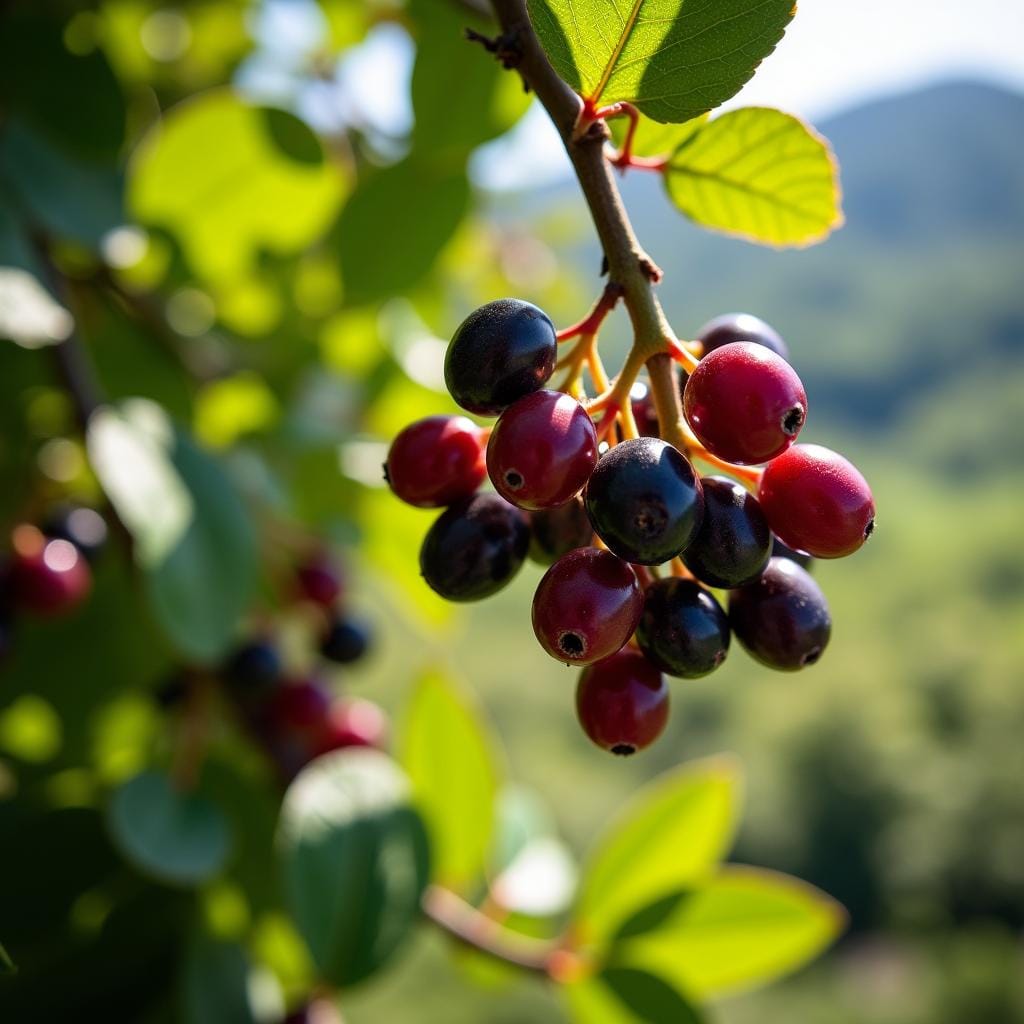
x=780, y=550
x=557, y=531
x=254, y=668
x=733, y=327
x=683, y=629
x=346, y=640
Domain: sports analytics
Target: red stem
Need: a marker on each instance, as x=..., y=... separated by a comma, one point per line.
x=591, y=323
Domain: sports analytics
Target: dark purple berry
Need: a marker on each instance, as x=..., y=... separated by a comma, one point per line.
x=319, y=580
x=644, y=412
x=782, y=618
x=254, y=669
x=474, y=548
x=683, y=630
x=733, y=544
x=502, y=351
x=733, y=327
x=780, y=550
x=346, y=641
x=645, y=501
x=557, y=531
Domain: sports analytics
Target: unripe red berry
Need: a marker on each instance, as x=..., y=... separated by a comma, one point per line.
x=817, y=501
x=436, y=461
x=319, y=580
x=745, y=403
x=352, y=722
x=46, y=577
x=542, y=450
x=587, y=606
x=622, y=702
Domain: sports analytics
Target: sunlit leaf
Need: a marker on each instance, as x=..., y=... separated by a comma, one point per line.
x=450, y=757
x=628, y=996
x=232, y=407
x=744, y=928
x=28, y=315
x=673, y=59
x=355, y=861
x=760, y=174
x=671, y=836
x=652, y=138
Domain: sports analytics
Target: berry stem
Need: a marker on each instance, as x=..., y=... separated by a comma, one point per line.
x=592, y=322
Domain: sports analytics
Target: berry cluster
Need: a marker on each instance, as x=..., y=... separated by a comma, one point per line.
x=47, y=573
x=605, y=504
x=295, y=718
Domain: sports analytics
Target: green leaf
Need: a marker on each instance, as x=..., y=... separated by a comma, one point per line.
x=355, y=860
x=628, y=996
x=193, y=537
x=230, y=180
x=28, y=314
x=673, y=59
x=391, y=233
x=671, y=836
x=215, y=984
x=652, y=138
x=760, y=174
x=744, y=928
x=173, y=836
x=452, y=762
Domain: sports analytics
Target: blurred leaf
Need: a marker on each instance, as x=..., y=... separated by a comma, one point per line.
x=670, y=836
x=230, y=180
x=232, y=407
x=173, y=836
x=355, y=860
x=390, y=232
x=30, y=729
x=746, y=927
x=673, y=59
x=215, y=984
x=6, y=963
x=66, y=196
x=652, y=138
x=628, y=996
x=28, y=315
x=193, y=535
x=760, y=174
x=452, y=761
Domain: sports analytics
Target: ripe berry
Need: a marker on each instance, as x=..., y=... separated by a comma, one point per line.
x=782, y=618
x=645, y=501
x=817, y=501
x=502, y=351
x=644, y=412
x=352, y=722
x=557, y=531
x=586, y=606
x=474, y=548
x=346, y=640
x=780, y=550
x=83, y=527
x=683, y=629
x=745, y=403
x=622, y=702
x=292, y=723
x=733, y=327
x=436, y=461
x=46, y=577
x=542, y=450
x=254, y=669
x=733, y=543
x=319, y=580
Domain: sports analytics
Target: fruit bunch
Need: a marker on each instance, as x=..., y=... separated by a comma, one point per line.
x=639, y=546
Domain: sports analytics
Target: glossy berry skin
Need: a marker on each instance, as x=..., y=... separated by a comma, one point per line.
x=586, y=606
x=745, y=403
x=83, y=527
x=503, y=351
x=780, y=550
x=474, y=548
x=733, y=544
x=645, y=501
x=436, y=461
x=557, y=531
x=782, y=618
x=319, y=580
x=352, y=722
x=542, y=450
x=254, y=669
x=683, y=630
x=644, y=413
x=347, y=640
x=733, y=327
x=622, y=702
x=817, y=501
x=47, y=578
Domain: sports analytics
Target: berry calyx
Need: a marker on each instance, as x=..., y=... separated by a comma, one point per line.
x=782, y=618
x=586, y=606
x=436, y=461
x=557, y=531
x=346, y=640
x=503, y=351
x=817, y=501
x=474, y=548
x=319, y=580
x=645, y=501
x=542, y=450
x=47, y=578
x=684, y=631
x=733, y=544
x=622, y=702
x=745, y=403
x=729, y=328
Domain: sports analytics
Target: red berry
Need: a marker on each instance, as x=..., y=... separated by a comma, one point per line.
x=47, y=577
x=622, y=702
x=542, y=450
x=817, y=501
x=587, y=606
x=292, y=723
x=352, y=722
x=436, y=461
x=745, y=403
x=319, y=580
